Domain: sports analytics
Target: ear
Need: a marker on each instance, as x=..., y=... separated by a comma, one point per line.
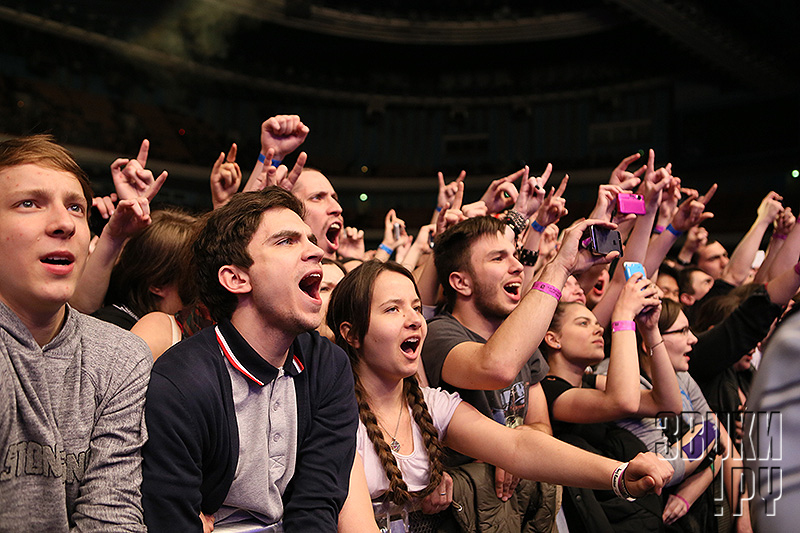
x=344, y=331
x=461, y=283
x=687, y=299
x=553, y=341
x=158, y=291
x=234, y=279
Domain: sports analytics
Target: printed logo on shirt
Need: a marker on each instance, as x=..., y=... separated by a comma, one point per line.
x=513, y=402
x=34, y=459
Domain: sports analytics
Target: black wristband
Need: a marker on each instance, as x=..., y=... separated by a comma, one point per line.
x=516, y=221
x=527, y=257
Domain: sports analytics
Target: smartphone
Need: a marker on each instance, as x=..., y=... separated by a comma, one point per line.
x=628, y=202
x=604, y=240
x=631, y=268
x=396, y=231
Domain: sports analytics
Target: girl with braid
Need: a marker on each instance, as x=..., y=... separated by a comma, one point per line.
x=376, y=316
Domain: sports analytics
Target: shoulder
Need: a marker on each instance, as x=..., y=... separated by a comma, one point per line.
x=104, y=345
x=316, y=352
x=156, y=330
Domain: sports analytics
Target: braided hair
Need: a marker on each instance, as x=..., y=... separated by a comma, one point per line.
x=350, y=303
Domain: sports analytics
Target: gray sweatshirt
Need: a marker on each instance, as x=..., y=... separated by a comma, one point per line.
x=71, y=427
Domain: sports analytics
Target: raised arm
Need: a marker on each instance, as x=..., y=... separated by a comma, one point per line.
x=494, y=365
x=226, y=177
x=738, y=268
x=282, y=134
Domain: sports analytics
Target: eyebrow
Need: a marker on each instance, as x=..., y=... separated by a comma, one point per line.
x=399, y=300
x=40, y=192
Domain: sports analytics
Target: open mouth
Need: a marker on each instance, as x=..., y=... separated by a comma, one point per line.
x=409, y=346
x=58, y=259
x=310, y=284
x=599, y=286
x=332, y=235
x=513, y=288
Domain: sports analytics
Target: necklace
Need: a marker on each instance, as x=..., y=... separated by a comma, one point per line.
x=394, y=445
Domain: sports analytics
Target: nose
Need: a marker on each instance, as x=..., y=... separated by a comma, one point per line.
x=691, y=339
x=312, y=252
x=515, y=267
x=413, y=319
x=61, y=222
x=333, y=207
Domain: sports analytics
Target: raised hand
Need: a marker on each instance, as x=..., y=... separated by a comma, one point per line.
x=226, y=176
x=574, y=257
x=132, y=179
x=129, y=217
x=105, y=204
x=784, y=223
x=625, y=179
x=532, y=193
x=501, y=193
x=554, y=205
x=351, y=243
x=448, y=192
x=692, y=211
x=283, y=134
x=770, y=207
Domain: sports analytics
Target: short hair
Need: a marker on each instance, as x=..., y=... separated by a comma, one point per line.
x=685, y=280
x=42, y=150
x=451, y=252
x=155, y=256
x=224, y=238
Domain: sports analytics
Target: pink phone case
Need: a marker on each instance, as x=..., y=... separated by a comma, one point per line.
x=630, y=203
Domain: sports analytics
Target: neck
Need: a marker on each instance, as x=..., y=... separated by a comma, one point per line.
x=466, y=313
x=43, y=326
x=384, y=395
x=270, y=343
x=561, y=367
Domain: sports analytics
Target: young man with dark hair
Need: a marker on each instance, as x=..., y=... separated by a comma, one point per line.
x=252, y=421
x=485, y=346
x=73, y=387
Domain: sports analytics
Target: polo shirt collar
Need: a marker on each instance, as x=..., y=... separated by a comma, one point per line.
x=246, y=360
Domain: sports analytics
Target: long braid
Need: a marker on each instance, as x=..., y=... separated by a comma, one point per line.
x=398, y=490
x=430, y=436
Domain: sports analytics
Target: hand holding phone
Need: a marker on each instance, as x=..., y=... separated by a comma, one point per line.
x=631, y=268
x=602, y=241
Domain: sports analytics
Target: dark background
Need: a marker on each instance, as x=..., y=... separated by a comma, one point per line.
x=395, y=90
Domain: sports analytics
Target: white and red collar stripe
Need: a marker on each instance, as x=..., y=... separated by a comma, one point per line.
x=226, y=350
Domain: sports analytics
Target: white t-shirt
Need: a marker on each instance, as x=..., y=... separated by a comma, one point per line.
x=415, y=466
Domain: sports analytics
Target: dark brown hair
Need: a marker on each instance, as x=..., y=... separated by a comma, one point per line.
x=451, y=252
x=42, y=150
x=350, y=302
x=224, y=238
x=156, y=256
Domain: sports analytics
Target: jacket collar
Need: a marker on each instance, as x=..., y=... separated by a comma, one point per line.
x=246, y=360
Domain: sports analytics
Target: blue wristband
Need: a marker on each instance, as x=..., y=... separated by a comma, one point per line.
x=276, y=162
x=262, y=158
x=537, y=227
x=438, y=209
x=674, y=231
x=385, y=248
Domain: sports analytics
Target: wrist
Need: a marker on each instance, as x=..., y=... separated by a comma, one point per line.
x=386, y=248
x=622, y=325
x=554, y=274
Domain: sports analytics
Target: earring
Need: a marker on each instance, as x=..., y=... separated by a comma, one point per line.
x=558, y=346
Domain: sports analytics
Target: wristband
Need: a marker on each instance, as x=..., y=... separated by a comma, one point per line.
x=618, y=483
x=674, y=231
x=797, y=269
x=681, y=498
x=438, y=209
x=537, y=227
x=516, y=221
x=276, y=162
x=658, y=230
x=623, y=325
x=262, y=158
x=779, y=236
x=547, y=289
x=385, y=248
x=527, y=257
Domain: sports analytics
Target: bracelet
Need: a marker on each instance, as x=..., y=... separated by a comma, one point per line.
x=674, y=231
x=681, y=498
x=262, y=158
x=658, y=230
x=276, y=162
x=438, y=209
x=527, y=257
x=516, y=221
x=618, y=483
x=547, y=289
x=623, y=325
x=779, y=236
x=537, y=227
x=653, y=347
x=385, y=248
x=797, y=269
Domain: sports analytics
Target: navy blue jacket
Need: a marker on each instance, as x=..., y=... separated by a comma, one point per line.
x=193, y=448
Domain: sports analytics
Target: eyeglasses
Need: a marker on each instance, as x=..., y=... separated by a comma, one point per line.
x=683, y=331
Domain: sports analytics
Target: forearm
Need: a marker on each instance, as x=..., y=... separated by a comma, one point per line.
x=427, y=282
x=773, y=248
x=742, y=257
x=622, y=379
x=657, y=250
x=93, y=283
x=789, y=253
x=695, y=485
x=666, y=394
x=783, y=288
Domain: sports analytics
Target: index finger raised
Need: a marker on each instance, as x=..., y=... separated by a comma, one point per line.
x=144, y=151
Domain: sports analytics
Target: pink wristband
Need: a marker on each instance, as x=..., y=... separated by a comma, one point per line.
x=779, y=236
x=797, y=269
x=623, y=325
x=681, y=498
x=547, y=289
x=659, y=229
